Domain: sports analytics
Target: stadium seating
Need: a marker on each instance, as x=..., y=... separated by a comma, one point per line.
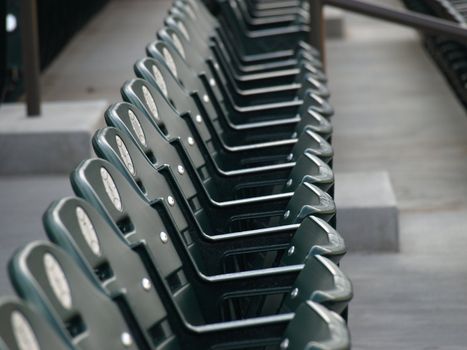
x=207, y=220
x=450, y=55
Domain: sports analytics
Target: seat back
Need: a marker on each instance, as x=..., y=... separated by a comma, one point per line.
x=326, y=242
x=114, y=146
x=131, y=121
x=188, y=76
x=314, y=102
x=196, y=36
x=312, y=142
x=157, y=73
x=151, y=101
x=48, y=278
x=173, y=36
x=197, y=69
x=320, y=281
x=307, y=200
x=222, y=50
x=95, y=243
x=23, y=328
x=313, y=170
x=314, y=121
x=201, y=61
x=315, y=327
x=206, y=23
x=120, y=202
x=121, y=151
x=206, y=42
x=198, y=11
x=195, y=137
x=174, y=56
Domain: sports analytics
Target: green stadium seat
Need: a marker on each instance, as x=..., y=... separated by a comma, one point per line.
x=48, y=278
x=23, y=328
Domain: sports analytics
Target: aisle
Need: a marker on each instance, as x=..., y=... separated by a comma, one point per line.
x=395, y=112
x=100, y=58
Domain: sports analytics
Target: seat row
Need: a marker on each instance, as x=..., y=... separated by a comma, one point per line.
x=450, y=55
x=207, y=220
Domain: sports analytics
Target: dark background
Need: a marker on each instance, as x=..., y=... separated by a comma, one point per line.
x=58, y=21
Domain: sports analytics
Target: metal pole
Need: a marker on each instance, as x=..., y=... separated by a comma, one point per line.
x=30, y=52
x=317, y=27
x=2, y=48
x=428, y=24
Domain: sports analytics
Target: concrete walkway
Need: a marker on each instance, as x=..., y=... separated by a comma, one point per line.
x=395, y=112
x=100, y=58
x=23, y=200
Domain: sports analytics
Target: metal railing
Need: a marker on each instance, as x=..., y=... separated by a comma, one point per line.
x=31, y=61
x=58, y=22
x=424, y=23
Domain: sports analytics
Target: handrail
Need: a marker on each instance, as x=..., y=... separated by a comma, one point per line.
x=2, y=48
x=425, y=23
x=30, y=52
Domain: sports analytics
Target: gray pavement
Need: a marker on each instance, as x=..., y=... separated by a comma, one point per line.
x=23, y=200
x=395, y=112
x=100, y=58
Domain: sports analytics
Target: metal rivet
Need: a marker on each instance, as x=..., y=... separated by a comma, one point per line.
x=290, y=157
x=171, y=201
x=294, y=293
x=164, y=237
x=291, y=250
x=181, y=170
x=286, y=214
x=146, y=283
x=212, y=82
x=206, y=98
x=126, y=339
x=199, y=119
x=284, y=344
x=216, y=65
x=191, y=141
x=289, y=182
